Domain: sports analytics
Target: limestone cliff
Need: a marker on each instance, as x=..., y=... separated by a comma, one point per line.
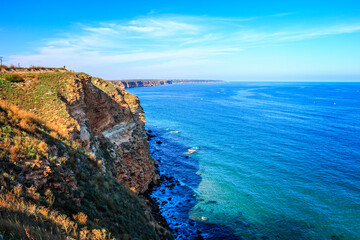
x=150, y=83
x=140, y=83
x=117, y=118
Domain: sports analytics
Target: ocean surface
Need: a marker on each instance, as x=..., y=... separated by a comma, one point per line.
x=271, y=160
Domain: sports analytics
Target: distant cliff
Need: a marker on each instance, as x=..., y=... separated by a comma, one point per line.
x=150, y=83
x=73, y=155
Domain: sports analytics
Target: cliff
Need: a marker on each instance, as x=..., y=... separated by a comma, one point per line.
x=140, y=83
x=150, y=83
x=75, y=147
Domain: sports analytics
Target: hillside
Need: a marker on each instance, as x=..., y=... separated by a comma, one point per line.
x=74, y=156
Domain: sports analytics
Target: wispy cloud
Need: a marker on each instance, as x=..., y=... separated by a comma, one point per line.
x=163, y=40
x=321, y=32
x=282, y=14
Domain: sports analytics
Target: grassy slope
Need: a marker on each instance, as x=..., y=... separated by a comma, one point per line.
x=28, y=138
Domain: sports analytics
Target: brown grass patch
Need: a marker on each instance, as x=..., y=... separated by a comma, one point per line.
x=24, y=124
x=43, y=148
x=14, y=151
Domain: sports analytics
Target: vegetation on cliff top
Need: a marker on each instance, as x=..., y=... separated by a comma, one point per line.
x=51, y=188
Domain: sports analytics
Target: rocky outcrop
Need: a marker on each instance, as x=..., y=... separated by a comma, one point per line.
x=112, y=124
x=150, y=83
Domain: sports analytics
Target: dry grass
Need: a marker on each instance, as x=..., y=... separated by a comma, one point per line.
x=14, y=150
x=17, y=113
x=23, y=219
x=43, y=147
x=80, y=217
x=28, y=126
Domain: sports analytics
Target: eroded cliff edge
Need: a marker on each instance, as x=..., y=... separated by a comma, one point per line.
x=73, y=144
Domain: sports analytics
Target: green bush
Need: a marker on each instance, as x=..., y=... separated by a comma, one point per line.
x=14, y=78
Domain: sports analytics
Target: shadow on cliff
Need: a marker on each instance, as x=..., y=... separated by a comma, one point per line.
x=176, y=194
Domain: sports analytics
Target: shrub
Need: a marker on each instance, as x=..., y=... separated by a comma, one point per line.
x=27, y=126
x=14, y=150
x=50, y=198
x=80, y=217
x=54, y=134
x=31, y=190
x=43, y=147
x=14, y=78
x=4, y=67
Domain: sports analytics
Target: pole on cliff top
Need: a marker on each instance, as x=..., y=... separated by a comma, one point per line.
x=0, y=61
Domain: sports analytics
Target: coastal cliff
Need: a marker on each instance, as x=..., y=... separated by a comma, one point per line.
x=76, y=146
x=150, y=83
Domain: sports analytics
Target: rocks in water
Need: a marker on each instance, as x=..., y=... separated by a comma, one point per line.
x=199, y=237
x=159, y=142
x=190, y=151
x=150, y=136
x=174, y=131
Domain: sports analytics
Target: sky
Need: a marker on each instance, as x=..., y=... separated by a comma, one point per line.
x=228, y=40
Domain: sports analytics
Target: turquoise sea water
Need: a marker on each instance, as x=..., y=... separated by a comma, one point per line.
x=272, y=160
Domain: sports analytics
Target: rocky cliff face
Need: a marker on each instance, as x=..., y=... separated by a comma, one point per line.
x=115, y=118
x=142, y=83
x=150, y=83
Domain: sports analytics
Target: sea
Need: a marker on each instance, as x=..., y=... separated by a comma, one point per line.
x=269, y=160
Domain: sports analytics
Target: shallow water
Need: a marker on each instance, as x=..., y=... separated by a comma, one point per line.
x=276, y=160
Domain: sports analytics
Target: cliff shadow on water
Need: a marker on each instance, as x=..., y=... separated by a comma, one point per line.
x=176, y=193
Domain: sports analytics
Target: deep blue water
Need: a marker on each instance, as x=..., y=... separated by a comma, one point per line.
x=272, y=160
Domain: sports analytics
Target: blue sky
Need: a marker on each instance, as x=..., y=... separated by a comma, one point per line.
x=230, y=40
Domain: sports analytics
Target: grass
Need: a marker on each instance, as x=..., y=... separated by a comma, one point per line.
x=25, y=220
x=15, y=78
x=32, y=67
x=50, y=187
x=40, y=96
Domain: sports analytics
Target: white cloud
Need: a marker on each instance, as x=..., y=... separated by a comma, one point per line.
x=321, y=32
x=100, y=30
x=161, y=41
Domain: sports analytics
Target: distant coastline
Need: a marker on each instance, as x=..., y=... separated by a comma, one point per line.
x=155, y=82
